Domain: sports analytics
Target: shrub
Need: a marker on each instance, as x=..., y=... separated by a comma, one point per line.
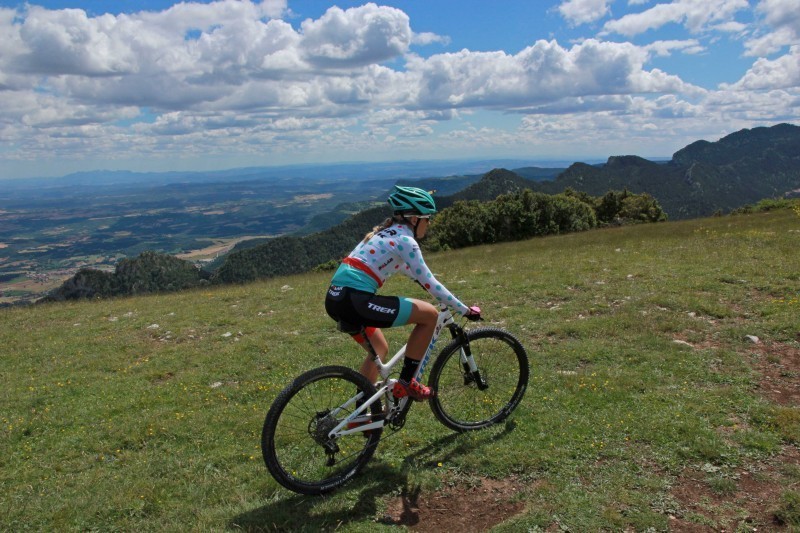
x=641, y=208
x=769, y=204
x=465, y=223
x=86, y=283
x=624, y=207
x=572, y=214
x=510, y=217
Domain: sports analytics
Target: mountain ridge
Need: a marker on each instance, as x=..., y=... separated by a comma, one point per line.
x=701, y=178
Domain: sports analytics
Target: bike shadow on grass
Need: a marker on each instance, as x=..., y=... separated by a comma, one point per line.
x=375, y=483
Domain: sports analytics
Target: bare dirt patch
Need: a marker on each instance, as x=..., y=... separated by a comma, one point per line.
x=464, y=508
x=779, y=366
x=749, y=504
x=747, y=499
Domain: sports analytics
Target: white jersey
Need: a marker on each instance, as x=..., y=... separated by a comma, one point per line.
x=390, y=251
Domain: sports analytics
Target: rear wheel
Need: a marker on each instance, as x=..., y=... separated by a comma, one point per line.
x=297, y=449
x=464, y=401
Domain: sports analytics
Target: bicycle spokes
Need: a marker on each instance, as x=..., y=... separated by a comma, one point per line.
x=479, y=379
x=471, y=372
x=302, y=447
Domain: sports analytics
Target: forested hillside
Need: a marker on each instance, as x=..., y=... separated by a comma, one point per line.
x=702, y=178
x=147, y=273
x=291, y=255
x=493, y=184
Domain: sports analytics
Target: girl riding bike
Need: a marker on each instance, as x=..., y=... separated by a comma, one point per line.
x=324, y=427
x=352, y=298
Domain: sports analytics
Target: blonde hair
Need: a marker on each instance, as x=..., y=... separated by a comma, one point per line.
x=382, y=226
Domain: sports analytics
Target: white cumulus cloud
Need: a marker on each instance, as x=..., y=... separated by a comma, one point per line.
x=780, y=73
x=665, y=48
x=543, y=72
x=238, y=77
x=578, y=12
x=356, y=37
x=781, y=19
x=695, y=15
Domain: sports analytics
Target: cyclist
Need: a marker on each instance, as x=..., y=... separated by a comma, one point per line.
x=352, y=298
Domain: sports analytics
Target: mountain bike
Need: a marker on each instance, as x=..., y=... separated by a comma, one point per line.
x=324, y=427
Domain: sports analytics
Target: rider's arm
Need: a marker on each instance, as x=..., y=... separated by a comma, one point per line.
x=417, y=270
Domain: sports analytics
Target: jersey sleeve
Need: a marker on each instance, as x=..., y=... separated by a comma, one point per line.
x=417, y=270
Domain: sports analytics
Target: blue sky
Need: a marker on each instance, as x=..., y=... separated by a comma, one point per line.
x=159, y=85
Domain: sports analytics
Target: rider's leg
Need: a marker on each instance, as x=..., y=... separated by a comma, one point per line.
x=424, y=315
x=381, y=347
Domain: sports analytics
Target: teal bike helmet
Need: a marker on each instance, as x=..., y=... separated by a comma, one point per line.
x=412, y=201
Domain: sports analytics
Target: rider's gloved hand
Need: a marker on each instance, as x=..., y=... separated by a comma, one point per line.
x=474, y=313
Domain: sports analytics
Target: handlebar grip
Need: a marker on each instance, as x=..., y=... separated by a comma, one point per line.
x=474, y=313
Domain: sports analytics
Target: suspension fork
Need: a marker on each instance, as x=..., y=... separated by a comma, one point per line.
x=472, y=373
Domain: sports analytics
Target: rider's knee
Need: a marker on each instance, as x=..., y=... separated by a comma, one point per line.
x=426, y=313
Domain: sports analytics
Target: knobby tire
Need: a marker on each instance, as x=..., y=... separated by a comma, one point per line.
x=458, y=401
x=295, y=458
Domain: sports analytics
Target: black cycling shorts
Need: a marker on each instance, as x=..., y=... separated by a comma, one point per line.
x=354, y=309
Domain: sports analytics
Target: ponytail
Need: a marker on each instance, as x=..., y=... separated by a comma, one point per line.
x=380, y=227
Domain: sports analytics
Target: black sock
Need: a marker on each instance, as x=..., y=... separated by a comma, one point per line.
x=409, y=369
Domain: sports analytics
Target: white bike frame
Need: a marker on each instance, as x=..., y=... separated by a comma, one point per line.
x=385, y=385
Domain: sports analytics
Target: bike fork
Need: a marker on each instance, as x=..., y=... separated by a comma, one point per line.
x=471, y=372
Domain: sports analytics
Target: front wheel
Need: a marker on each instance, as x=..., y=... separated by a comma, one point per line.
x=295, y=442
x=465, y=401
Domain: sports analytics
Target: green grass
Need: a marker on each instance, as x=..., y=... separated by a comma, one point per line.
x=144, y=414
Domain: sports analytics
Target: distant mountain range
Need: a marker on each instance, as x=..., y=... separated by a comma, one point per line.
x=702, y=178
x=356, y=171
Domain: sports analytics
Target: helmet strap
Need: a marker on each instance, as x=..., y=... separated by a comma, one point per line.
x=413, y=226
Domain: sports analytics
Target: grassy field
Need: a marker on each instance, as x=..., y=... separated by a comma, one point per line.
x=648, y=405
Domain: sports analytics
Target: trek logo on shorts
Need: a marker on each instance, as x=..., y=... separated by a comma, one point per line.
x=334, y=291
x=378, y=308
